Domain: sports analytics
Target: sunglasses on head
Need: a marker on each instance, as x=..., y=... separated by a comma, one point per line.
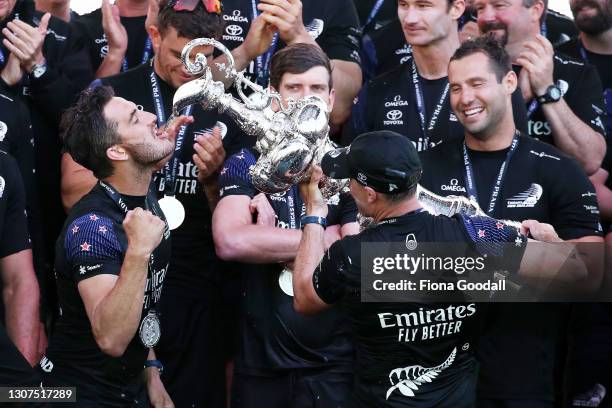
x=212, y=6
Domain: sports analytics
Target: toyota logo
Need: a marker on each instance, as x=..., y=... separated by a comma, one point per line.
x=394, y=114
x=233, y=29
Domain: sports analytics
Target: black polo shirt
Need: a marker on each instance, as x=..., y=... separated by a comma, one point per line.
x=93, y=242
x=273, y=335
x=409, y=354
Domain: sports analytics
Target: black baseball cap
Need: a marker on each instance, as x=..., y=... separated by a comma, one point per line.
x=383, y=160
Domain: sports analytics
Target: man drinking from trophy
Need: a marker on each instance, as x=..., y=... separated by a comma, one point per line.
x=191, y=349
x=284, y=359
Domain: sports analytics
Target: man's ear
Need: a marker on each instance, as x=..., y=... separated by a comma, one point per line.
x=332, y=99
x=371, y=194
x=155, y=37
x=456, y=9
x=117, y=153
x=510, y=82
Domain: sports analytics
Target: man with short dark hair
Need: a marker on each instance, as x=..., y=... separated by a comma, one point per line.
x=255, y=29
x=112, y=257
x=564, y=96
x=512, y=176
x=193, y=351
x=284, y=359
x=412, y=353
x=412, y=99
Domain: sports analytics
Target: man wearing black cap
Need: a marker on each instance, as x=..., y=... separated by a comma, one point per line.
x=434, y=366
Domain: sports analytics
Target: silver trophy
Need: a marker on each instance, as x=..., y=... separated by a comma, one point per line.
x=451, y=205
x=289, y=139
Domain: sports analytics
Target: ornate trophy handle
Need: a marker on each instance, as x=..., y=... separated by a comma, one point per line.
x=200, y=63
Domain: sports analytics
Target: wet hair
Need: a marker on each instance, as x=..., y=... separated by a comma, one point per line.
x=87, y=134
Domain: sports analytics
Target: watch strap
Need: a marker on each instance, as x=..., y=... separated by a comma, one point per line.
x=154, y=363
x=313, y=219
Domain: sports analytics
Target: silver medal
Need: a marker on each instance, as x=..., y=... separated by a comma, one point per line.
x=150, y=329
x=173, y=210
x=285, y=281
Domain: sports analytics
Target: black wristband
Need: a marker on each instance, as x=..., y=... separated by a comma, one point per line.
x=313, y=219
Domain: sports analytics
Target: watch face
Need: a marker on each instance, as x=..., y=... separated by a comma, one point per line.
x=554, y=93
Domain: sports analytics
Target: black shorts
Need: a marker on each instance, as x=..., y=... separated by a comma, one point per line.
x=295, y=389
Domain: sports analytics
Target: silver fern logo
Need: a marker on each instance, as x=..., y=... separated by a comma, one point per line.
x=408, y=379
x=528, y=198
x=315, y=28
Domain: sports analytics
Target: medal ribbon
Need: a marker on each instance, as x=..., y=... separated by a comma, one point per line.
x=171, y=166
x=420, y=103
x=146, y=54
x=374, y=12
x=262, y=62
x=470, y=183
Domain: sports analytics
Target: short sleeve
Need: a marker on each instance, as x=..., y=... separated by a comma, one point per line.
x=92, y=247
x=574, y=210
x=585, y=98
x=330, y=277
x=502, y=244
x=234, y=178
x=14, y=235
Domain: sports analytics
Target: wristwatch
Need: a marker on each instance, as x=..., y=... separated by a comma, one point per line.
x=39, y=70
x=552, y=94
x=313, y=219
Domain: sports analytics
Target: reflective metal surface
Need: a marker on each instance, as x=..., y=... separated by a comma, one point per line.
x=289, y=138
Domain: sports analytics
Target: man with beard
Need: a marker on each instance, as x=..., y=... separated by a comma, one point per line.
x=193, y=374
x=412, y=99
x=564, y=96
x=112, y=257
x=512, y=176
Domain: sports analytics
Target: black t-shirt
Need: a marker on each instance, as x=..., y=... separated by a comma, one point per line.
x=517, y=351
x=139, y=49
x=409, y=354
x=14, y=236
x=194, y=263
x=603, y=64
x=333, y=24
x=93, y=243
x=389, y=102
x=559, y=28
x=274, y=336
x=582, y=91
